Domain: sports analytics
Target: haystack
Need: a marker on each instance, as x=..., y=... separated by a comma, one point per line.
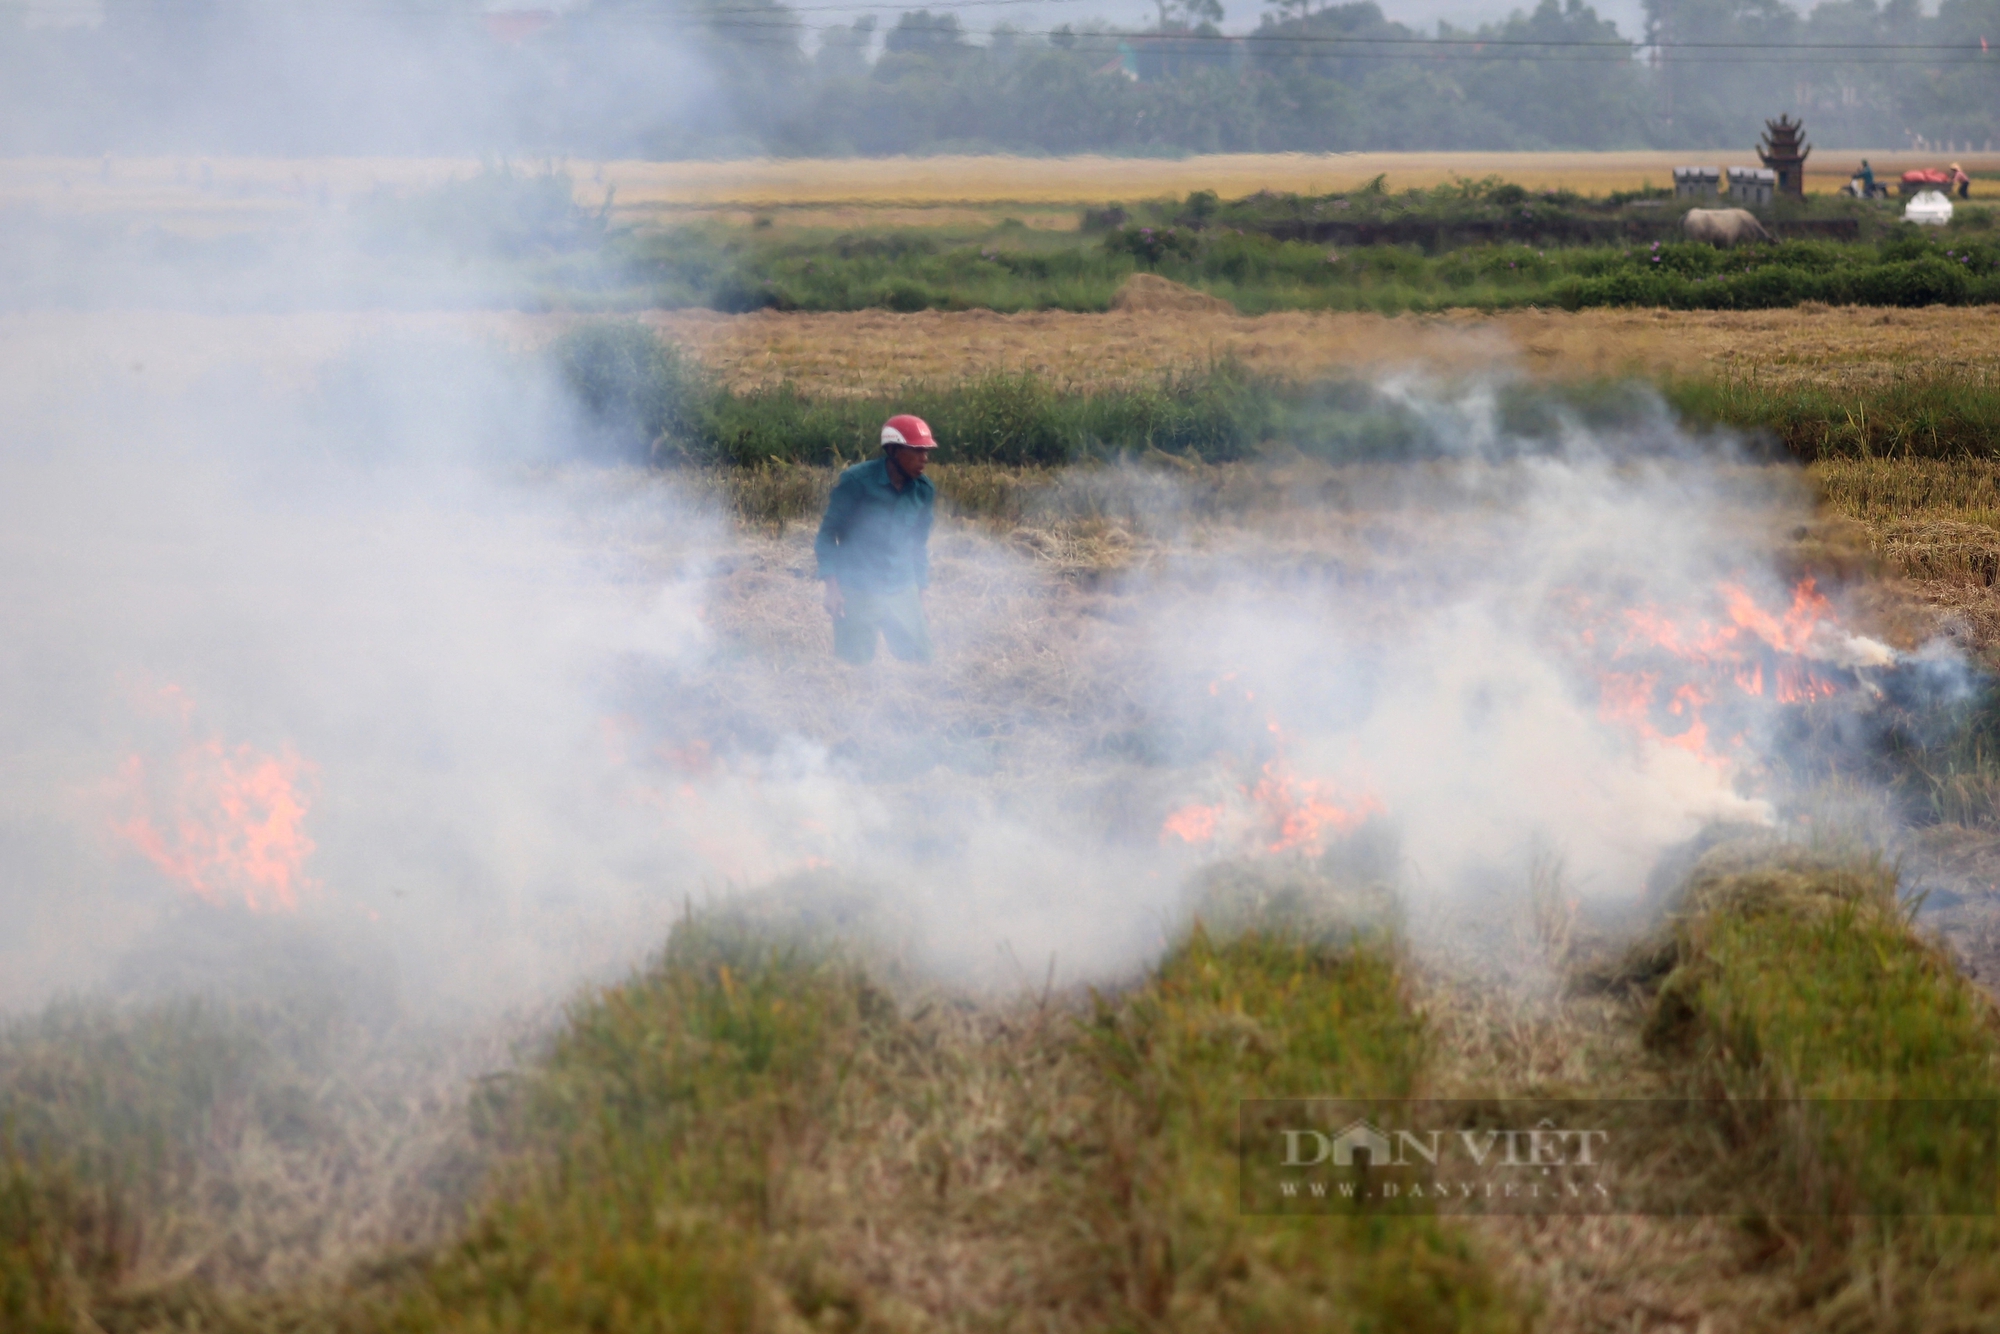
x=1150, y=294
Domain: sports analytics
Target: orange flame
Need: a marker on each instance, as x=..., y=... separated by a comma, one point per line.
x=1789, y=634
x=1691, y=663
x=1193, y=824
x=1286, y=813
x=231, y=825
x=1303, y=817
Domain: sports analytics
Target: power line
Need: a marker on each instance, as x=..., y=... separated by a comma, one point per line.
x=735, y=18
x=1423, y=47
x=1470, y=49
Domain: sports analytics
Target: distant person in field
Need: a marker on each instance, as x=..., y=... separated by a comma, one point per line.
x=874, y=548
x=1961, y=182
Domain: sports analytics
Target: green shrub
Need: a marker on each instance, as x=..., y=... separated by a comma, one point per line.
x=1622, y=288
x=736, y=292
x=1809, y=256
x=1908, y=242
x=640, y=393
x=1929, y=281
x=1766, y=287
x=1150, y=245
x=1685, y=259
x=905, y=296
x=1009, y=419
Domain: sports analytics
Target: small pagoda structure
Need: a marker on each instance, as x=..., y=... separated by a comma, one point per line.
x=1784, y=151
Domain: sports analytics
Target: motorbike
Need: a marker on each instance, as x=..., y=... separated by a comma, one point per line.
x=1859, y=188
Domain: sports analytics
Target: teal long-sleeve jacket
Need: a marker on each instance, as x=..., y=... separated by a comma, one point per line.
x=875, y=538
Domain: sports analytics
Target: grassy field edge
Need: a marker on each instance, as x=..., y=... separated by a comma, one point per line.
x=647, y=400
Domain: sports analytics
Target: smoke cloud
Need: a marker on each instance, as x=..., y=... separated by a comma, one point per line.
x=368, y=650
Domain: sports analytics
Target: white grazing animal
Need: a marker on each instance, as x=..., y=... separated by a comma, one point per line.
x=1723, y=226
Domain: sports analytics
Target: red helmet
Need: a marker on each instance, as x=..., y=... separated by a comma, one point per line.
x=909, y=432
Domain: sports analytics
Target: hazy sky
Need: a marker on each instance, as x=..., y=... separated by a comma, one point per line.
x=1034, y=15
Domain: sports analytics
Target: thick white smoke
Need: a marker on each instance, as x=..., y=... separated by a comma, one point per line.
x=135, y=76
x=526, y=710
x=361, y=574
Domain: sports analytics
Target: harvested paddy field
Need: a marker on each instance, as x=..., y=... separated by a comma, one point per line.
x=1250, y=749
x=870, y=352
x=204, y=193
x=490, y=905
x=867, y=352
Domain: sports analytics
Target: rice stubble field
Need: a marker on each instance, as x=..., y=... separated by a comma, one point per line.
x=790, y=1118
x=870, y=352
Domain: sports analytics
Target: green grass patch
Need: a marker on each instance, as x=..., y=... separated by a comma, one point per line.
x=647, y=1150
x=113, y=1127
x=62, y=1242
x=1216, y=413
x=656, y=1147
x=646, y=401
x=1936, y=415
x=1797, y=976
x=1800, y=976
x=1423, y=251
x=1265, y=1016
x=654, y=1158
x=634, y=1177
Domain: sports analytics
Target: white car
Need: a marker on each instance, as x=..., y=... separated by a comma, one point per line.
x=1930, y=207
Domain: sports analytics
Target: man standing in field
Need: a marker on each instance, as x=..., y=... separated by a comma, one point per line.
x=874, y=547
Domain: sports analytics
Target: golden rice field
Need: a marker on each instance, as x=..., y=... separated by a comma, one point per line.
x=866, y=351
x=200, y=193
x=1076, y=180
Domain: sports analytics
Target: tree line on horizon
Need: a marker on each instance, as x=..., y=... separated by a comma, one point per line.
x=717, y=78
